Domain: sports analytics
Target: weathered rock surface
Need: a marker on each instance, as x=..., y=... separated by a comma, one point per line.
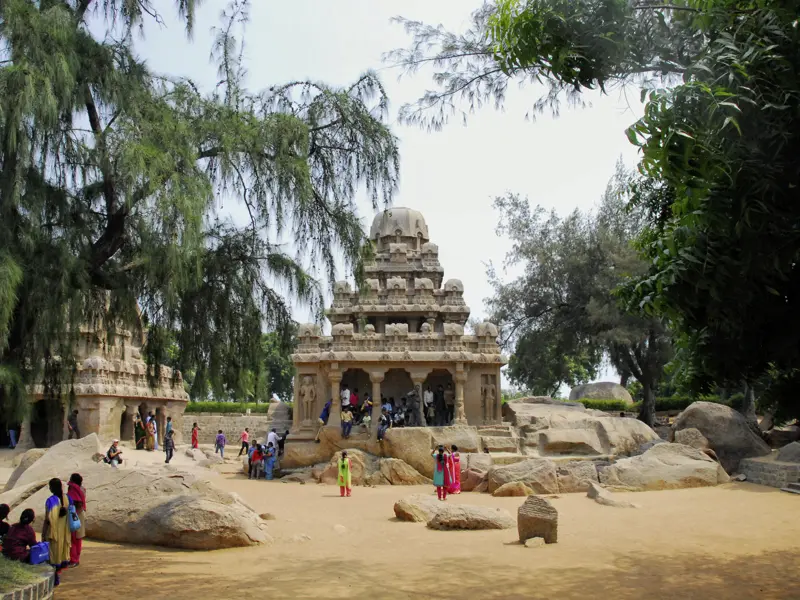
x=64, y=457
x=24, y=461
x=602, y=390
x=789, y=453
x=778, y=437
x=471, y=479
x=462, y=516
x=515, y=488
x=726, y=430
x=304, y=454
x=477, y=461
x=393, y=471
x=665, y=467
x=606, y=498
x=691, y=437
x=418, y=508
x=537, y=518
x=362, y=466
x=466, y=438
x=570, y=441
x=412, y=445
x=576, y=476
x=371, y=470
x=537, y=473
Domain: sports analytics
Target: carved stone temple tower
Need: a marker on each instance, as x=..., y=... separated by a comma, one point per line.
x=404, y=331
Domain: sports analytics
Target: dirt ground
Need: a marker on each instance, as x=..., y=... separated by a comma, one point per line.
x=733, y=541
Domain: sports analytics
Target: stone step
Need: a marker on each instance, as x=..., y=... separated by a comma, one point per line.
x=790, y=490
x=793, y=486
x=496, y=431
x=507, y=458
x=499, y=444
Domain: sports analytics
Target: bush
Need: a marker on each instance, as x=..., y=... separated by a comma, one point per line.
x=662, y=404
x=239, y=408
x=610, y=405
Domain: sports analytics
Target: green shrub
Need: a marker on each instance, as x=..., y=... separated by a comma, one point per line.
x=226, y=407
x=662, y=404
x=610, y=405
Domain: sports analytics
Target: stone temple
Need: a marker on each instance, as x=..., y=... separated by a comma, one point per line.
x=404, y=331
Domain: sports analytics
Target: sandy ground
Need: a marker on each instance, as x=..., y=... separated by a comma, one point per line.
x=733, y=541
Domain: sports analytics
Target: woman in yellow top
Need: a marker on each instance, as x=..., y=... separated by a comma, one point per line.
x=56, y=526
x=345, y=475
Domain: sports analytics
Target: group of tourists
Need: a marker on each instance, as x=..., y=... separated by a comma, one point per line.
x=446, y=471
x=146, y=434
x=263, y=459
x=62, y=533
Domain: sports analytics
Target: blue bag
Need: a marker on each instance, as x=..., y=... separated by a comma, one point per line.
x=74, y=519
x=40, y=553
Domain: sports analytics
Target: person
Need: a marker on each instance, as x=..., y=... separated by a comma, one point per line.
x=272, y=438
x=347, y=422
x=72, y=425
x=275, y=397
x=195, y=436
x=114, y=454
x=269, y=460
x=256, y=463
x=4, y=526
x=282, y=442
x=449, y=404
x=150, y=425
x=455, y=470
x=439, y=407
x=441, y=471
x=345, y=475
x=20, y=537
x=245, y=439
x=12, y=438
x=219, y=443
x=366, y=409
x=384, y=424
x=140, y=433
x=77, y=495
x=354, y=399
x=345, y=395
x=427, y=400
x=154, y=423
x=169, y=427
x=323, y=418
x=56, y=527
x=169, y=446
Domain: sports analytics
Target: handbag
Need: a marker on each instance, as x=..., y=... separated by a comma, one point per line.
x=40, y=553
x=74, y=519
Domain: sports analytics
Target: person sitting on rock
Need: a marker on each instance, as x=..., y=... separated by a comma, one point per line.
x=114, y=454
x=347, y=422
x=20, y=537
x=384, y=424
x=323, y=418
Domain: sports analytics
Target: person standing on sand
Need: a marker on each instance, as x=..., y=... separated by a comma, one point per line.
x=169, y=446
x=345, y=475
x=269, y=460
x=219, y=444
x=245, y=439
x=195, y=436
x=139, y=433
x=150, y=425
x=347, y=422
x=256, y=463
x=56, y=527
x=455, y=470
x=77, y=495
x=441, y=472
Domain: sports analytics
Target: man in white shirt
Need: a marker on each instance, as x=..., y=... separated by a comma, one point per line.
x=273, y=437
x=345, y=395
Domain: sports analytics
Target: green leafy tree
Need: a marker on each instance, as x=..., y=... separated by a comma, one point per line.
x=111, y=177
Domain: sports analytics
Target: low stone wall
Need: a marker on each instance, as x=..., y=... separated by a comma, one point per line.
x=41, y=590
x=232, y=425
x=764, y=471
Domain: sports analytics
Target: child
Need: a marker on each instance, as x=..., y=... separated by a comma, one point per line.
x=169, y=446
x=20, y=537
x=345, y=475
x=455, y=470
x=256, y=464
x=384, y=424
x=441, y=472
x=195, y=436
x=245, y=439
x=347, y=422
x=219, y=443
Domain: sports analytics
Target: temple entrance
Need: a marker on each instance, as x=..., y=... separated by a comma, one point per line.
x=47, y=422
x=439, y=377
x=396, y=384
x=358, y=381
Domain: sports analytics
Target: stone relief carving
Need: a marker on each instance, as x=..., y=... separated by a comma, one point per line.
x=308, y=397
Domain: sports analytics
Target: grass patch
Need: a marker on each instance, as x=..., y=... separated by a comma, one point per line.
x=14, y=574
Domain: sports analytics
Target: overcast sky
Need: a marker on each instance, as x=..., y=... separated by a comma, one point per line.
x=451, y=176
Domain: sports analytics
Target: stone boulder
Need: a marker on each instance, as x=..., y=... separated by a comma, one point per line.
x=778, y=437
x=691, y=437
x=393, y=471
x=362, y=466
x=418, y=508
x=412, y=445
x=665, y=467
x=602, y=390
x=462, y=516
x=476, y=461
x=522, y=410
x=195, y=454
x=538, y=474
x=301, y=477
x=62, y=460
x=154, y=506
x=473, y=479
x=304, y=454
x=570, y=441
x=537, y=518
x=466, y=438
x=606, y=498
x=576, y=476
x=789, y=453
x=727, y=431
x=371, y=470
x=515, y=488
x=23, y=461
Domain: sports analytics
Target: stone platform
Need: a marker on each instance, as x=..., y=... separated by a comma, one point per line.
x=768, y=471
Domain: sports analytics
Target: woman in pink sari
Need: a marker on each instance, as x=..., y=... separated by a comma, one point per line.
x=455, y=470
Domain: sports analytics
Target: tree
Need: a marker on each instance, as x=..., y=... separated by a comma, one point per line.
x=719, y=141
x=562, y=315
x=277, y=369
x=111, y=177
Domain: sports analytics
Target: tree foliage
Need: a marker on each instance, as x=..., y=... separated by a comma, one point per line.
x=112, y=177
x=719, y=140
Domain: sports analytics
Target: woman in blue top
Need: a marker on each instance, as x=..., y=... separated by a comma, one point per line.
x=269, y=460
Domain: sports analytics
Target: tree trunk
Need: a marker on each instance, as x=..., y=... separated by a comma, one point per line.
x=647, y=412
x=749, y=407
x=623, y=379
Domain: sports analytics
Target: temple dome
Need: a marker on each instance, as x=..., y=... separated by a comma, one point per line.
x=399, y=221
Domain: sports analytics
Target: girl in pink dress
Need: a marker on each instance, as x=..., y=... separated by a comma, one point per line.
x=455, y=470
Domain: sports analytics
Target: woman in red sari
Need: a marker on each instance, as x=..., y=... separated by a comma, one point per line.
x=455, y=469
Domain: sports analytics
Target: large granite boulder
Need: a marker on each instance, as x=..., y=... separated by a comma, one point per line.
x=362, y=466
x=412, y=445
x=371, y=470
x=158, y=506
x=62, y=460
x=476, y=461
x=691, y=437
x=466, y=438
x=514, y=488
x=778, y=437
x=474, y=480
x=393, y=471
x=537, y=473
x=789, y=453
x=606, y=498
x=418, y=508
x=537, y=518
x=602, y=390
x=665, y=467
x=575, y=476
x=23, y=461
x=727, y=431
x=462, y=516
x=304, y=454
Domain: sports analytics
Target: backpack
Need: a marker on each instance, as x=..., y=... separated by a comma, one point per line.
x=74, y=519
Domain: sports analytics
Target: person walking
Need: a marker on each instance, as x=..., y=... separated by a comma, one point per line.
x=219, y=444
x=195, y=436
x=77, y=495
x=244, y=438
x=72, y=425
x=169, y=446
x=56, y=527
x=441, y=472
x=345, y=475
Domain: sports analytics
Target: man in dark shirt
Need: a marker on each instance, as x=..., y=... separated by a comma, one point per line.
x=72, y=423
x=114, y=454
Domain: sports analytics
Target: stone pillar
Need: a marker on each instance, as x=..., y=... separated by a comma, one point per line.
x=335, y=378
x=25, y=439
x=461, y=378
x=376, y=377
x=297, y=417
x=418, y=377
x=128, y=430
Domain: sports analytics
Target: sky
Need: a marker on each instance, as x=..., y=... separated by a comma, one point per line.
x=451, y=176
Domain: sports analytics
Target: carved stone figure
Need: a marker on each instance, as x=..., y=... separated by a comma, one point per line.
x=308, y=397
